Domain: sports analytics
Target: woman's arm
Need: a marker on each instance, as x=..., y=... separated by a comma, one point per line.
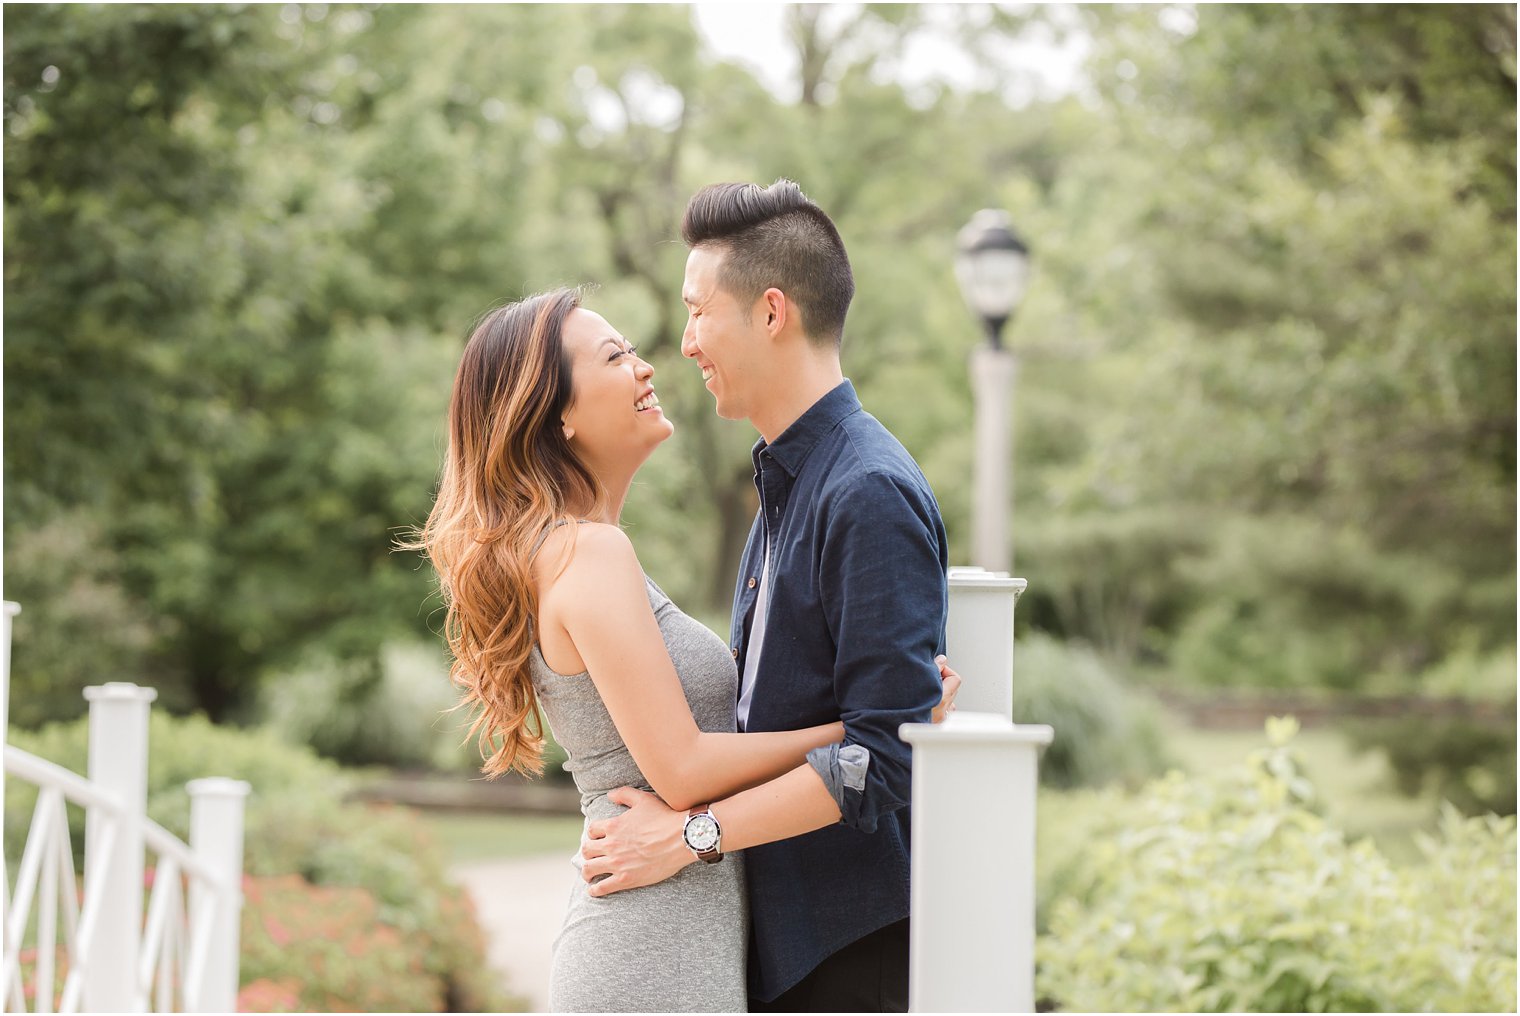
x=600, y=601
x=644, y=845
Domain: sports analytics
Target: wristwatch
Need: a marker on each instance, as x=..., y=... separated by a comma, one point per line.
x=703, y=835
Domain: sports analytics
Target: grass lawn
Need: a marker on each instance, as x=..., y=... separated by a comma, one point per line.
x=490, y=836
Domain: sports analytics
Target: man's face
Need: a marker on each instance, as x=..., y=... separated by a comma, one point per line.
x=718, y=337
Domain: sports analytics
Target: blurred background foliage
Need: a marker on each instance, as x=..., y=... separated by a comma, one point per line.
x=1265, y=422
x=1230, y=892
x=1265, y=432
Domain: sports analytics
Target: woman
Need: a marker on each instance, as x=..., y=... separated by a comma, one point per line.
x=552, y=414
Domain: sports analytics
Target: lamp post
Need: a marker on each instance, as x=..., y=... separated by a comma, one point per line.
x=992, y=267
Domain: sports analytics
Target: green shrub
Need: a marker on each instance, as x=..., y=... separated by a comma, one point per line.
x=286, y=780
x=297, y=824
x=1470, y=673
x=1468, y=763
x=1282, y=602
x=391, y=713
x=1108, y=577
x=1069, y=823
x=77, y=621
x=399, y=715
x=1105, y=732
x=399, y=864
x=309, y=948
x=1229, y=892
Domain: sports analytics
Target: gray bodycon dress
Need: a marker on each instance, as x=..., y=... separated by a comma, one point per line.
x=680, y=945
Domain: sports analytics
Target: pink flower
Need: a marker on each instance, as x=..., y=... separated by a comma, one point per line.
x=276, y=930
x=265, y=995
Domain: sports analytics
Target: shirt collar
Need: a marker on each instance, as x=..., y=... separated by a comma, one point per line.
x=794, y=445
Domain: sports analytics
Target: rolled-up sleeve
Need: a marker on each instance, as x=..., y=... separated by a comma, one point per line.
x=882, y=585
x=842, y=767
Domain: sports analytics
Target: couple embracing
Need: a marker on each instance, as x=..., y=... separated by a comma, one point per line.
x=746, y=802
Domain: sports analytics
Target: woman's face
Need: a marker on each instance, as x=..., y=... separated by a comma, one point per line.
x=614, y=417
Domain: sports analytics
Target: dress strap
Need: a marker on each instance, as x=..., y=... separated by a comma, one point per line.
x=538, y=543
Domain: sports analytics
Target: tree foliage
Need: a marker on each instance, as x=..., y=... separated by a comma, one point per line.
x=1308, y=344
x=1265, y=421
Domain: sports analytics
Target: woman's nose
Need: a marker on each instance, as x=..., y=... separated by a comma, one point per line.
x=644, y=370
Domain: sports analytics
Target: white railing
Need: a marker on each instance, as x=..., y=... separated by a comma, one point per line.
x=186, y=956
x=974, y=782
x=49, y=858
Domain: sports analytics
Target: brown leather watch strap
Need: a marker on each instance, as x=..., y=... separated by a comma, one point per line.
x=710, y=856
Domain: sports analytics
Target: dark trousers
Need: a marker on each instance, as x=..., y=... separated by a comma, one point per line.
x=868, y=975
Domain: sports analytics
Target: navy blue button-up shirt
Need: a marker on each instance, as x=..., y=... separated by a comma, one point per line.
x=856, y=615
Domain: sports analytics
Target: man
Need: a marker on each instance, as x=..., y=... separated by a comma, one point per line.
x=839, y=613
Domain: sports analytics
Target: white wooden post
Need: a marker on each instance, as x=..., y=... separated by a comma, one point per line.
x=8, y=610
x=979, y=639
x=972, y=935
x=119, y=764
x=216, y=837
x=975, y=778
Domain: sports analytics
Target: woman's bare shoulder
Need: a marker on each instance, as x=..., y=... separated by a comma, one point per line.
x=581, y=556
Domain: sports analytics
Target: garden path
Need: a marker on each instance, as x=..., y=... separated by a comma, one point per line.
x=520, y=903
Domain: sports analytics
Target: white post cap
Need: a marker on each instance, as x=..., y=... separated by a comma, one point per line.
x=217, y=786
x=119, y=691
x=976, y=728
x=972, y=577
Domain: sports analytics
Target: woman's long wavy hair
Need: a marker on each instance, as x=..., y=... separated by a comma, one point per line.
x=510, y=473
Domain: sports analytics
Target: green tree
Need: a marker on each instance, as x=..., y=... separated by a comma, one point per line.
x=1265, y=419
x=1310, y=362
x=193, y=418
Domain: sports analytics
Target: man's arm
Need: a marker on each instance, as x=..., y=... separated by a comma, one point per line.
x=882, y=588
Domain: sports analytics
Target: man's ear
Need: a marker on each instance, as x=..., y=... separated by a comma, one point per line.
x=774, y=308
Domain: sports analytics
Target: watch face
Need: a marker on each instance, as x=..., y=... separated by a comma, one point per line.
x=702, y=833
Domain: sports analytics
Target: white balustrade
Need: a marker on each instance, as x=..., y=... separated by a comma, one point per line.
x=975, y=779
x=8, y=610
x=216, y=837
x=187, y=955
x=119, y=764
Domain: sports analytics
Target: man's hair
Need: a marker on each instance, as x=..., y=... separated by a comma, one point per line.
x=774, y=236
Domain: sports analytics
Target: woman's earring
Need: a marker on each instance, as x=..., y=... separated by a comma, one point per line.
x=569, y=432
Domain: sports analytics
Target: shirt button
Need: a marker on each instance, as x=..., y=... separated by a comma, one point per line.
x=736, y=653
x=752, y=582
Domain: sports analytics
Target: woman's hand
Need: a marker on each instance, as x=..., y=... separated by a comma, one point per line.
x=639, y=847
x=952, y=682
